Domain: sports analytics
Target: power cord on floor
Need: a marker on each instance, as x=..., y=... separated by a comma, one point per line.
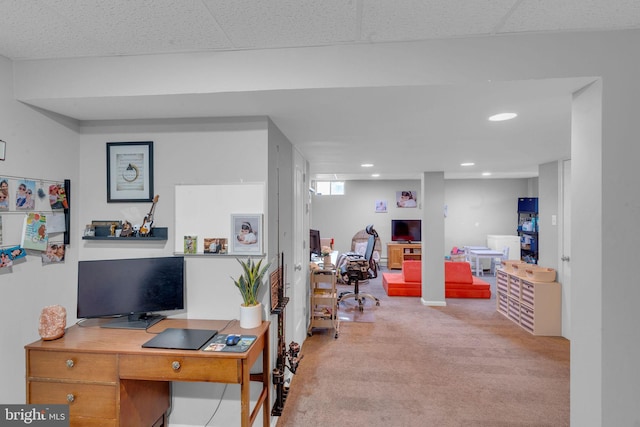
x=217, y=407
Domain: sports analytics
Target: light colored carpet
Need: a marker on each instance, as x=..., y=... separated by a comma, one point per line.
x=459, y=365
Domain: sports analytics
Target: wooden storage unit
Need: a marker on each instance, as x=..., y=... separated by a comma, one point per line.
x=535, y=306
x=323, y=307
x=396, y=253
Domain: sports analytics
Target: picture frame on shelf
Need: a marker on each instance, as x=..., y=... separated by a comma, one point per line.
x=216, y=245
x=246, y=234
x=129, y=172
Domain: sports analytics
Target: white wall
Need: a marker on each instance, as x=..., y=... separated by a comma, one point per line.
x=476, y=208
x=202, y=151
x=41, y=148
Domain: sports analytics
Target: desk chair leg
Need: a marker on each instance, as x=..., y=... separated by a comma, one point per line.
x=359, y=297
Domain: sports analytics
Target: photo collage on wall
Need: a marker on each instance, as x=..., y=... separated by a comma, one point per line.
x=42, y=221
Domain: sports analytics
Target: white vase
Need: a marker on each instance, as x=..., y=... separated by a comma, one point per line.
x=251, y=316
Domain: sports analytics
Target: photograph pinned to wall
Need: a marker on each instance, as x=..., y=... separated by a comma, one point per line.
x=130, y=171
x=381, y=206
x=190, y=244
x=34, y=232
x=54, y=254
x=58, y=197
x=4, y=194
x=406, y=199
x=24, y=195
x=246, y=233
x=216, y=245
x=9, y=255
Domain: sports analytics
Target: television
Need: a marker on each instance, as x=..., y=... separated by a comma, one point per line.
x=406, y=230
x=132, y=291
x=314, y=243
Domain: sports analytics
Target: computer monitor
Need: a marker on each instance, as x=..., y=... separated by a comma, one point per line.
x=314, y=243
x=131, y=290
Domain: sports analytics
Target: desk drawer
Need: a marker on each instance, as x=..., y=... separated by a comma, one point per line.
x=180, y=368
x=73, y=366
x=87, y=400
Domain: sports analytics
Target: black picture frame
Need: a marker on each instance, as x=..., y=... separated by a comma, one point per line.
x=129, y=171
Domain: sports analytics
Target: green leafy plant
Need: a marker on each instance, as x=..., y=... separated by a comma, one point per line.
x=250, y=281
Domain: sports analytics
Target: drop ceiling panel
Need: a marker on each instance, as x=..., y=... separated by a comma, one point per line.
x=553, y=15
x=251, y=24
x=412, y=19
x=135, y=27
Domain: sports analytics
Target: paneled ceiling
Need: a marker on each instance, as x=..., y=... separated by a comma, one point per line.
x=336, y=130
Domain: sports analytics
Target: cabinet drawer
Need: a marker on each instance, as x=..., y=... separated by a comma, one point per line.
x=181, y=368
x=73, y=366
x=528, y=293
x=502, y=282
x=514, y=310
x=503, y=304
x=527, y=318
x=514, y=287
x=88, y=400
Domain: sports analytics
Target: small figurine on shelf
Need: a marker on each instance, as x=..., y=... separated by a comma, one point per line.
x=127, y=229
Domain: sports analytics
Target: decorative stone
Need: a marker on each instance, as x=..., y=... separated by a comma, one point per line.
x=53, y=321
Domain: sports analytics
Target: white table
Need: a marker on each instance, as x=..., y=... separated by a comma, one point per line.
x=476, y=254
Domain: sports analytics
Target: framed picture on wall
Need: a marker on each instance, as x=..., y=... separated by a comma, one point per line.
x=246, y=234
x=129, y=171
x=406, y=199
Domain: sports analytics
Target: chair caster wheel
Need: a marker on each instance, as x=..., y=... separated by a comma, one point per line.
x=378, y=303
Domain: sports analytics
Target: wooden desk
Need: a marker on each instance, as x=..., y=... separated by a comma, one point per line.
x=108, y=379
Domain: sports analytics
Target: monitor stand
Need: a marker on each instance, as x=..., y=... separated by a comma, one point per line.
x=134, y=321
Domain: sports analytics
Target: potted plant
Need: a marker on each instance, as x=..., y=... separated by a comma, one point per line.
x=249, y=283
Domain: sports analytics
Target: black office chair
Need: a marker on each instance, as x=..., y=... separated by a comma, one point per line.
x=359, y=268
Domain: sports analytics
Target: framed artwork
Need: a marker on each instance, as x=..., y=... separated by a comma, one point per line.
x=246, y=234
x=216, y=245
x=381, y=206
x=3, y=149
x=129, y=171
x=406, y=199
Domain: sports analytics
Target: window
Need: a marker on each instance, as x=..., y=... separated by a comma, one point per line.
x=325, y=188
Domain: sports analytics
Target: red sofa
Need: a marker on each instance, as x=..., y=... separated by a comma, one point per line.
x=458, y=281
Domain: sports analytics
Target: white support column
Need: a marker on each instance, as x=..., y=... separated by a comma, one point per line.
x=432, y=200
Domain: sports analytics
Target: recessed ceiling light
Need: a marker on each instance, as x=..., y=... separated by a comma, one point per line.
x=502, y=116
x=467, y=164
x=486, y=173
x=367, y=165
x=375, y=175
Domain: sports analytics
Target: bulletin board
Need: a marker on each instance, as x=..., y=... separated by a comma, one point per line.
x=204, y=211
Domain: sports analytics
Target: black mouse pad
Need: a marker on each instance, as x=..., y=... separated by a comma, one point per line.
x=181, y=339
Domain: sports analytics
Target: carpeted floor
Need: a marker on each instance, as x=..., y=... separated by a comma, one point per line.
x=459, y=365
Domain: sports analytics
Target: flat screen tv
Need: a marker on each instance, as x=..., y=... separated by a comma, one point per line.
x=131, y=290
x=406, y=230
x=314, y=242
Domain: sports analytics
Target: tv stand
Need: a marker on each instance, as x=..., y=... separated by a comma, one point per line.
x=134, y=321
x=396, y=253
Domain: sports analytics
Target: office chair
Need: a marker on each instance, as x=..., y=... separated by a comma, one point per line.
x=359, y=267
